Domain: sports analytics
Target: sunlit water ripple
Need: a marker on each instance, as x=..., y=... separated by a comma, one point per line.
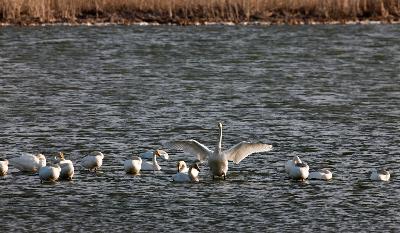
x=329, y=94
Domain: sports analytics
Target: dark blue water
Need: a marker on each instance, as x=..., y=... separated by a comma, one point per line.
x=329, y=94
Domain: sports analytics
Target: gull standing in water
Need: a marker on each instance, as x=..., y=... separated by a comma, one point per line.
x=218, y=159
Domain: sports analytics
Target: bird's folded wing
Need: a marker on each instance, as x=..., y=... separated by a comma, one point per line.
x=191, y=147
x=240, y=151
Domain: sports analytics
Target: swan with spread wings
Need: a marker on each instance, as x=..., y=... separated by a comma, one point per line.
x=218, y=159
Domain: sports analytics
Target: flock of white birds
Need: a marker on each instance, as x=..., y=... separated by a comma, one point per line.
x=217, y=160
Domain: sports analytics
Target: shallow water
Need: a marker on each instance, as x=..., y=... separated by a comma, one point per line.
x=330, y=94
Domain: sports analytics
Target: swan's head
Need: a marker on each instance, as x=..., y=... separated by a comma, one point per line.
x=4, y=160
x=41, y=157
x=157, y=153
x=181, y=165
x=60, y=156
x=98, y=153
x=301, y=165
x=195, y=166
x=296, y=159
x=325, y=171
x=163, y=154
x=220, y=125
x=136, y=158
x=384, y=172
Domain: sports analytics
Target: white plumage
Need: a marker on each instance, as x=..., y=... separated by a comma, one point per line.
x=67, y=167
x=218, y=159
x=296, y=169
x=93, y=161
x=3, y=167
x=29, y=162
x=49, y=173
x=133, y=166
x=149, y=154
x=380, y=175
x=153, y=165
x=181, y=165
x=191, y=175
x=323, y=174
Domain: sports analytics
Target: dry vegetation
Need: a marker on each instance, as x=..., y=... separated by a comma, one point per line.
x=196, y=11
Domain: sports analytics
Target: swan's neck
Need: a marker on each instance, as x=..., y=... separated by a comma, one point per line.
x=155, y=160
x=192, y=173
x=219, y=145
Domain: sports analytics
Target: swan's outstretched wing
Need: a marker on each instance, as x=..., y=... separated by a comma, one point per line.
x=240, y=151
x=191, y=147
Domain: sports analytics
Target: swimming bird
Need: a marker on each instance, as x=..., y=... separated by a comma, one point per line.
x=93, y=161
x=133, y=166
x=190, y=176
x=380, y=175
x=49, y=173
x=149, y=154
x=29, y=162
x=3, y=167
x=67, y=167
x=323, y=174
x=181, y=165
x=296, y=169
x=218, y=159
x=290, y=163
x=153, y=165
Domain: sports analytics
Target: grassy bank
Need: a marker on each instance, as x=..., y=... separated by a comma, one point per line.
x=183, y=12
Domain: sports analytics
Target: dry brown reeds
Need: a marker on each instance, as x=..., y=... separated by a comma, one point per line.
x=196, y=11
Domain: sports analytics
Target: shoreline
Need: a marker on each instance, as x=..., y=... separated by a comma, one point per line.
x=125, y=22
x=198, y=12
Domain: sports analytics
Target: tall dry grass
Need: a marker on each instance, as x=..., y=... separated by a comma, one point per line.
x=196, y=10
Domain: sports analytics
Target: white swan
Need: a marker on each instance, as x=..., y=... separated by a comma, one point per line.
x=3, y=167
x=290, y=163
x=133, y=165
x=49, y=173
x=93, y=161
x=153, y=165
x=380, y=175
x=29, y=162
x=218, y=159
x=190, y=176
x=67, y=167
x=181, y=165
x=323, y=174
x=296, y=169
x=149, y=154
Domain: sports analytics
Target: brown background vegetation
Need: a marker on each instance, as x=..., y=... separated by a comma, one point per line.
x=196, y=11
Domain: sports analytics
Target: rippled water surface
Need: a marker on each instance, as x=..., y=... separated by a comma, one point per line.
x=330, y=94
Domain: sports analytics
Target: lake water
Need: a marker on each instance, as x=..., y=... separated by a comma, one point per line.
x=330, y=94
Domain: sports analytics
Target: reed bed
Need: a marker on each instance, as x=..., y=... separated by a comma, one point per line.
x=196, y=11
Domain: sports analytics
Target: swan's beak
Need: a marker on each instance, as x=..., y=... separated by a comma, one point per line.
x=157, y=153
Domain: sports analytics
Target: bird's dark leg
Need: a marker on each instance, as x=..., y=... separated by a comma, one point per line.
x=213, y=177
x=224, y=177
